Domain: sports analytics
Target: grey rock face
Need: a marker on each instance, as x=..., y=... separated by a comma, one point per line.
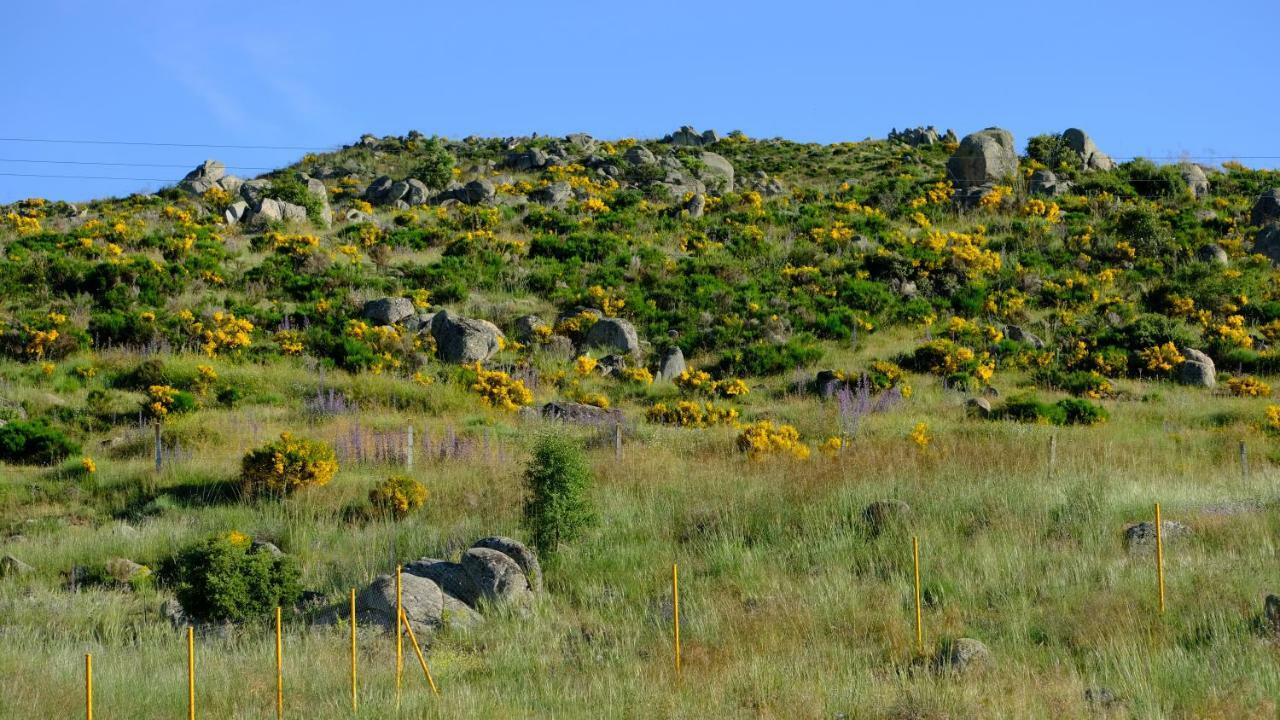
x=915, y=137
x=477, y=192
x=527, y=326
x=203, y=178
x=497, y=576
x=1197, y=369
x=1018, y=334
x=1046, y=182
x=388, y=310
x=1212, y=254
x=271, y=210
x=580, y=413
x=529, y=160
x=1197, y=181
x=422, y=600
x=962, y=654
x=987, y=156
x=235, y=212
x=464, y=340
x=614, y=334
x=689, y=137
x=1093, y=158
x=450, y=576
x=519, y=552
x=557, y=193
x=639, y=155
x=696, y=205
x=1267, y=242
x=1141, y=536
x=671, y=364
x=719, y=172
x=884, y=515
x=1266, y=209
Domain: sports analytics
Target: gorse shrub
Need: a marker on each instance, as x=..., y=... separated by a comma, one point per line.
x=24, y=442
x=227, y=578
x=557, y=480
x=397, y=496
x=1069, y=411
x=283, y=466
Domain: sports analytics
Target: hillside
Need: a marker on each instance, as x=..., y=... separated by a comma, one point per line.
x=783, y=361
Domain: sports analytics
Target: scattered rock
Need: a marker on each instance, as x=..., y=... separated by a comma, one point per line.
x=671, y=364
x=1212, y=254
x=639, y=155
x=884, y=515
x=962, y=654
x=689, y=137
x=696, y=205
x=987, y=156
x=557, y=193
x=1093, y=158
x=388, y=310
x=464, y=340
x=477, y=192
x=580, y=413
x=915, y=137
x=10, y=566
x=978, y=408
x=1266, y=209
x=450, y=576
x=613, y=334
x=527, y=161
x=422, y=600
x=1018, y=334
x=203, y=178
x=272, y=210
x=1046, y=182
x=235, y=212
x=1197, y=182
x=1139, y=536
x=526, y=327
x=1197, y=369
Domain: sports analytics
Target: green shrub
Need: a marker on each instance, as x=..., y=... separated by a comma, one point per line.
x=283, y=466
x=767, y=358
x=1053, y=151
x=435, y=169
x=1069, y=411
x=32, y=442
x=557, y=479
x=1077, y=411
x=397, y=496
x=227, y=578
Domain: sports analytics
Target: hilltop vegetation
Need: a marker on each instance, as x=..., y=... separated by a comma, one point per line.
x=754, y=342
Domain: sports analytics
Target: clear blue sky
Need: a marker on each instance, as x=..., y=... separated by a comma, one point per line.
x=1144, y=78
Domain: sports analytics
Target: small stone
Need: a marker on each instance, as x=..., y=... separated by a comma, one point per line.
x=962, y=654
x=884, y=515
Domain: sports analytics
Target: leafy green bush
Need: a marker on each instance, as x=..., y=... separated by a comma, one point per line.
x=1077, y=411
x=1068, y=411
x=1053, y=151
x=435, y=169
x=32, y=442
x=770, y=358
x=281, y=467
x=227, y=578
x=557, y=480
x=289, y=187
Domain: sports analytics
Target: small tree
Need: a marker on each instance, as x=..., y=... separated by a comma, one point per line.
x=227, y=578
x=435, y=169
x=557, y=480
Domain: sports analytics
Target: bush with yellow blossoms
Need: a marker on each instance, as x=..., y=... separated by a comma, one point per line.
x=497, y=388
x=281, y=467
x=686, y=413
x=398, y=496
x=1248, y=386
x=764, y=438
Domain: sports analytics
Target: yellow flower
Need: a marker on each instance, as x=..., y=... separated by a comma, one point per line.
x=920, y=435
x=88, y=465
x=585, y=365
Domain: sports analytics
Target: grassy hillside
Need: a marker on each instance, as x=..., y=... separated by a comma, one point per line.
x=1022, y=369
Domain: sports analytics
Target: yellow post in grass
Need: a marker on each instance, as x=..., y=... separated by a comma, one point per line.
x=399, y=637
x=88, y=686
x=191, y=673
x=675, y=611
x=422, y=660
x=279, y=668
x=1160, y=556
x=915, y=555
x=353, y=651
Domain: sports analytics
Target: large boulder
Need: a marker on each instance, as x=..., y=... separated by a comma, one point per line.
x=417, y=193
x=477, y=192
x=689, y=137
x=916, y=136
x=1197, y=369
x=1197, y=181
x=671, y=364
x=497, y=576
x=388, y=310
x=718, y=174
x=10, y=565
x=639, y=155
x=1093, y=158
x=613, y=334
x=519, y=552
x=464, y=340
x=203, y=178
x=450, y=576
x=527, y=327
x=580, y=413
x=1267, y=242
x=422, y=600
x=1266, y=209
x=235, y=212
x=271, y=210
x=987, y=156
x=557, y=193
x=527, y=161
x=1047, y=182
x=1213, y=254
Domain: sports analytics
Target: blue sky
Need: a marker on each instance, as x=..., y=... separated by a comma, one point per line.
x=1144, y=78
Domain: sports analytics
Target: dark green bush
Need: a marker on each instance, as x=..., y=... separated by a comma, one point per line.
x=227, y=578
x=1068, y=411
x=32, y=442
x=767, y=358
x=435, y=169
x=557, y=480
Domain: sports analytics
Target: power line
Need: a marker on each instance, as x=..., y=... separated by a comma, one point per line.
x=164, y=144
x=125, y=164
x=88, y=177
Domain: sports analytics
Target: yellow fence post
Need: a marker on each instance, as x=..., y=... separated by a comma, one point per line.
x=915, y=555
x=399, y=637
x=353, y=651
x=279, y=668
x=675, y=612
x=422, y=660
x=191, y=673
x=88, y=686
x=1160, y=556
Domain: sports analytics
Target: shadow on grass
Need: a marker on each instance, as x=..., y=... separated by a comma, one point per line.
x=192, y=494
